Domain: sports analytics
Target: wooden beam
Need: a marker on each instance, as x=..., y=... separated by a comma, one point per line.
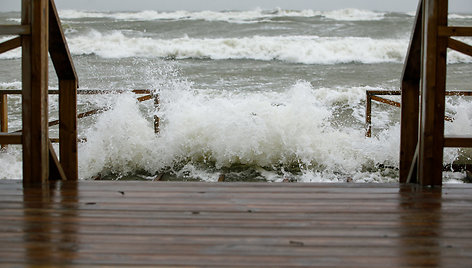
x=460, y=46
x=3, y=116
x=410, y=90
x=444, y=31
x=68, y=128
x=458, y=141
x=412, y=65
x=56, y=172
x=35, y=97
x=58, y=49
x=386, y=101
x=368, y=116
x=10, y=44
x=15, y=29
x=10, y=138
x=3, y=113
x=431, y=131
x=156, y=118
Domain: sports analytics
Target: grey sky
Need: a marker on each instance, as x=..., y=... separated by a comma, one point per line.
x=462, y=6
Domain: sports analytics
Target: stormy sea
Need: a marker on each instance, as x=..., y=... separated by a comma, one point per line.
x=257, y=95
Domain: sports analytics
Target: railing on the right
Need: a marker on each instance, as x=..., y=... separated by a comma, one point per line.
x=423, y=94
x=373, y=95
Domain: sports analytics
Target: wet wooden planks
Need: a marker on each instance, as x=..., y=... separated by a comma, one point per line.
x=93, y=224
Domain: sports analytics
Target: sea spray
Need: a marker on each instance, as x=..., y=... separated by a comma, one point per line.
x=284, y=133
x=275, y=95
x=250, y=16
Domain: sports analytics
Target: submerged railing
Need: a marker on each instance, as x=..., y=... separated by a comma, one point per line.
x=373, y=95
x=148, y=95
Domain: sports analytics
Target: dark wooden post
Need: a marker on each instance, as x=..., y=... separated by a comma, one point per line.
x=433, y=72
x=410, y=88
x=68, y=128
x=156, y=118
x=68, y=84
x=3, y=115
x=368, y=115
x=35, y=92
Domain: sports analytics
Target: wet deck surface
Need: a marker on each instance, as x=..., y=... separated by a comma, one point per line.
x=234, y=225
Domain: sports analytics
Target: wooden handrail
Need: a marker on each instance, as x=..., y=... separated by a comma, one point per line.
x=458, y=141
x=447, y=31
x=460, y=46
x=11, y=138
x=15, y=29
x=372, y=95
x=10, y=44
x=84, y=91
x=58, y=49
x=4, y=107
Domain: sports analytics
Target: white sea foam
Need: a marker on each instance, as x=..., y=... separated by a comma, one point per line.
x=296, y=49
x=250, y=16
x=460, y=16
x=255, y=129
x=271, y=131
x=352, y=14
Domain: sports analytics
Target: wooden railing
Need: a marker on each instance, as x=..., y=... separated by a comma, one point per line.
x=4, y=126
x=373, y=95
x=40, y=34
x=424, y=89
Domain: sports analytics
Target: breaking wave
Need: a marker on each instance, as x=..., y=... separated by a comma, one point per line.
x=296, y=49
x=251, y=16
x=293, y=49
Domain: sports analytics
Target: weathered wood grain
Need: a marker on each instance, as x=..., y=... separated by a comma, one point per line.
x=154, y=224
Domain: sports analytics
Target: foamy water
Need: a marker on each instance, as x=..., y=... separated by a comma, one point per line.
x=266, y=95
x=251, y=16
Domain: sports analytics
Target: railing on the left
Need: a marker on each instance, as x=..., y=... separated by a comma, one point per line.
x=41, y=33
x=143, y=95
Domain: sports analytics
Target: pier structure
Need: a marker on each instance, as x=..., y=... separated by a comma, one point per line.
x=39, y=35
x=70, y=223
x=423, y=92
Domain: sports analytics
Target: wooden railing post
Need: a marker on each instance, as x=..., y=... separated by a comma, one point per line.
x=156, y=118
x=68, y=84
x=433, y=72
x=68, y=128
x=35, y=92
x=368, y=115
x=3, y=115
x=410, y=89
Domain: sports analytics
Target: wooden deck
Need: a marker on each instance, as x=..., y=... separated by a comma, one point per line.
x=92, y=224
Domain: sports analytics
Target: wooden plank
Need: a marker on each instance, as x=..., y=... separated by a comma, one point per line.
x=15, y=30
x=445, y=31
x=368, y=116
x=56, y=172
x=410, y=91
x=431, y=131
x=156, y=118
x=10, y=44
x=458, y=141
x=387, y=101
x=209, y=225
x=35, y=97
x=3, y=113
x=68, y=128
x=460, y=46
x=10, y=138
x=58, y=49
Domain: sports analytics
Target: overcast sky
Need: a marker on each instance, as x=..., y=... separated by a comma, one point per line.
x=463, y=6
